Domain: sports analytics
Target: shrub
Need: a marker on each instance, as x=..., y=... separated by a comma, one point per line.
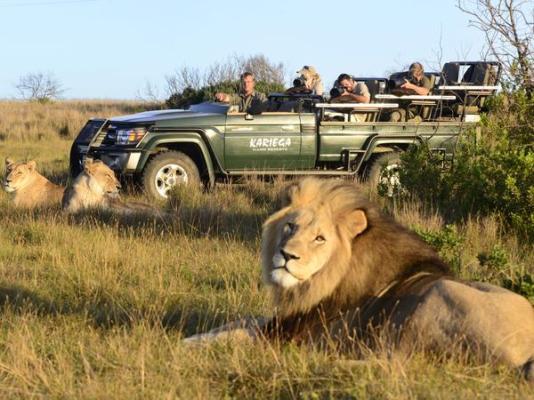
x=491, y=172
x=191, y=96
x=447, y=242
x=522, y=284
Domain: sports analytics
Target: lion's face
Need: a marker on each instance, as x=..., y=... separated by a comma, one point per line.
x=301, y=240
x=102, y=179
x=304, y=242
x=18, y=175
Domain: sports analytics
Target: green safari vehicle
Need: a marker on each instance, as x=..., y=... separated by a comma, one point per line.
x=300, y=135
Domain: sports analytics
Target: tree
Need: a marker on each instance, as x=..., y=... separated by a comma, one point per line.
x=230, y=70
x=191, y=85
x=508, y=26
x=39, y=86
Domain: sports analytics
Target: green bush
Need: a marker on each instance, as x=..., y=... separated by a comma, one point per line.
x=191, y=96
x=447, y=242
x=522, y=284
x=491, y=172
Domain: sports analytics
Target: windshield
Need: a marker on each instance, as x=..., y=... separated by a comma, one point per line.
x=209, y=107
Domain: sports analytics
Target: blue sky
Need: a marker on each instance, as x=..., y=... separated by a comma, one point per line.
x=111, y=48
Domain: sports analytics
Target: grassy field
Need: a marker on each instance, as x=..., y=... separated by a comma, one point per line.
x=95, y=306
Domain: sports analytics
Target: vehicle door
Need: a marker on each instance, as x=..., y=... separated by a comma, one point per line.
x=270, y=141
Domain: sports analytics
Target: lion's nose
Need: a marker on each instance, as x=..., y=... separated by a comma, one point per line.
x=288, y=256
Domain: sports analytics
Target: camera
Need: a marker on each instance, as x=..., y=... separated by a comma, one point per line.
x=299, y=82
x=337, y=91
x=398, y=79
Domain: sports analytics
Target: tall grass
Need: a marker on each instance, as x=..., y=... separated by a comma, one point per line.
x=33, y=121
x=96, y=305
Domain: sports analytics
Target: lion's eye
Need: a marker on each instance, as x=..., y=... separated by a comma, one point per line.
x=288, y=228
x=320, y=239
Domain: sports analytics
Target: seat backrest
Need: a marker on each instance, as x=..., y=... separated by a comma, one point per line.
x=450, y=73
x=468, y=75
x=432, y=79
x=478, y=74
x=373, y=85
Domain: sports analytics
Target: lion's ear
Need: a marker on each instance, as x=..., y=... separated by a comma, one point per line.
x=286, y=197
x=87, y=165
x=355, y=222
x=31, y=165
x=87, y=161
x=9, y=162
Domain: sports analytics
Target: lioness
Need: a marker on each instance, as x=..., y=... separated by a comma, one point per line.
x=28, y=187
x=98, y=187
x=342, y=272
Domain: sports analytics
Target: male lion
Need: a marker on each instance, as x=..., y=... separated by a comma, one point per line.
x=341, y=273
x=28, y=187
x=98, y=187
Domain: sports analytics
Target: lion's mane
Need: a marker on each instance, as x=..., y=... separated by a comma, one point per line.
x=343, y=273
x=384, y=253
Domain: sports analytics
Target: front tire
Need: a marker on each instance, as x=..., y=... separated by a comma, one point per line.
x=166, y=171
x=384, y=175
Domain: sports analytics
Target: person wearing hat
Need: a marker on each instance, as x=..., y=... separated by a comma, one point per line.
x=248, y=100
x=418, y=82
x=309, y=82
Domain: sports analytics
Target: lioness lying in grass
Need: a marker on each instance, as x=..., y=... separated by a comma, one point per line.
x=29, y=189
x=98, y=187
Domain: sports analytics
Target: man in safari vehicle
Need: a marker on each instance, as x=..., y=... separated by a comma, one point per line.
x=247, y=99
x=418, y=82
x=351, y=91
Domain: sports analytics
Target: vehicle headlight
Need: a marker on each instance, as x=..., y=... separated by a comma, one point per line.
x=130, y=136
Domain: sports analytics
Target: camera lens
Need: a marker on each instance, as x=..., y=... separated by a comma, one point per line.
x=299, y=82
x=336, y=92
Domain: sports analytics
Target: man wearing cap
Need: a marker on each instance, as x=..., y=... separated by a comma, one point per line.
x=310, y=82
x=418, y=82
x=247, y=99
x=351, y=91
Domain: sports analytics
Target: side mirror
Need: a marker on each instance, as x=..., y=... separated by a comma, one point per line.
x=249, y=117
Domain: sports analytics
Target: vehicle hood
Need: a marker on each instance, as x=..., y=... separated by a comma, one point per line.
x=171, y=118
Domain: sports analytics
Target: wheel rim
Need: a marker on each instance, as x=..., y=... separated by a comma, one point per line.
x=389, y=183
x=168, y=177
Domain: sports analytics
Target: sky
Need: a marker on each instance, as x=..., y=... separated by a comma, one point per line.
x=112, y=48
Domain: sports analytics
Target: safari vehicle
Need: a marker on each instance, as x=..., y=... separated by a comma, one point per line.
x=300, y=135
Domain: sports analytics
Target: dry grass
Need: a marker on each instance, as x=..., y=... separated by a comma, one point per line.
x=31, y=121
x=94, y=306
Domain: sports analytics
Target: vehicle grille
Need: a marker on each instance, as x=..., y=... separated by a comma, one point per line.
x=98, y=140
x=110, y=137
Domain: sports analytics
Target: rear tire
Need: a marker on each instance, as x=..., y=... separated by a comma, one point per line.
x=168, y=170
x=384, y=176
